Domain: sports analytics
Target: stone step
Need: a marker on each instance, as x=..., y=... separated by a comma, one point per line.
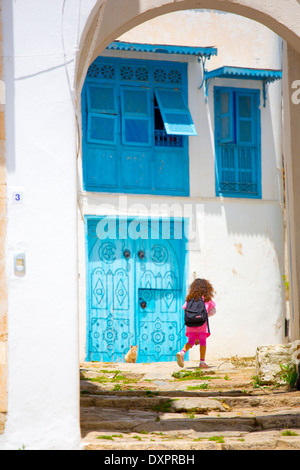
x=89, y=390
x=157, y=403
x=152, y=409
x=110, y=419
x=266, y=402
x=191, y=440
x=198, y=403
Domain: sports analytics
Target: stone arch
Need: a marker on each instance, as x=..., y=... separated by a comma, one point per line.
x=104, y=25
x=110, y=19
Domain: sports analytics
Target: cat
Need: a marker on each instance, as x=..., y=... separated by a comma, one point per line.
x=131, y=356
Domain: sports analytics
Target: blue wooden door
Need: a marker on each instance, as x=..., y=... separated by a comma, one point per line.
x=135, y=291
x=159, y=273
x=110, y=319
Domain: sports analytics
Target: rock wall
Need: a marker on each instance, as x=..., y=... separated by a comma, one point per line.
x=272, y=359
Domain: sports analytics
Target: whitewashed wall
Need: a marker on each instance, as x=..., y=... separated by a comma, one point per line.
x=40, y=47
x=43, y=372
x=242, y=240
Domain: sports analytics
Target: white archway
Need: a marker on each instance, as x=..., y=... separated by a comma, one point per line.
x=110, y=19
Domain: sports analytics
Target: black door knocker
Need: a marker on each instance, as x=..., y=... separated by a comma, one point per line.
x=126, y=254
x=141, y=255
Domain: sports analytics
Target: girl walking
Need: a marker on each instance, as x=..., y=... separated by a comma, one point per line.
x=199, y=289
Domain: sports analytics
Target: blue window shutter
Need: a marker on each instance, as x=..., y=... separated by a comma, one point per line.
x=101, y=128
x=225, y=115
x=102, y=114
x=136, y=114
x=246, y=125
x=101, y=99
x=246, y=169
x=120, y=149
x=237, y=145
x=245, y=118
x=175, y=113
x=227, y=169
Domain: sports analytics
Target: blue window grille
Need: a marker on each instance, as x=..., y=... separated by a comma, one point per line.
x=136, y=124
x=237, y=138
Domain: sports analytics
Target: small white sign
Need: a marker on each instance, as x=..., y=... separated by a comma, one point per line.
x=17, y=197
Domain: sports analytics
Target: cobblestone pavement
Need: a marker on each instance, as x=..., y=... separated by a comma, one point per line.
x=163, y=407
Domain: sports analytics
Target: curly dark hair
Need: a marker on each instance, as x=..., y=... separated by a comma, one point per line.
x=200, y=288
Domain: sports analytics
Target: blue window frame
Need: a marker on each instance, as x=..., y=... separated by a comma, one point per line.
x=136, y=124
x=238, y=142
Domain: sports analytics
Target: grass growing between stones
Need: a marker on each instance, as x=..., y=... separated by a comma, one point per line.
x=203, y=386
x=111, y=376
x=218, y=439
x=287, y=432
x=164, y=407
x=193, y=375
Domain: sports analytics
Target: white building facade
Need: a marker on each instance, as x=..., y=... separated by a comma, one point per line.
x=55, y=262
x=228, y=192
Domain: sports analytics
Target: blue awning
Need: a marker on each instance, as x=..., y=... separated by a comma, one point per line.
x=245, y=73
x=267, y=76
x=162, y=49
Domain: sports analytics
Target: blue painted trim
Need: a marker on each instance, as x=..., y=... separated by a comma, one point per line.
x=244, y=73
x=162, y=49
x=265, y=75
x=217, y=146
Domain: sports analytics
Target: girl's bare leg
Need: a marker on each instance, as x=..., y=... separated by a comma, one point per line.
x=202, y=357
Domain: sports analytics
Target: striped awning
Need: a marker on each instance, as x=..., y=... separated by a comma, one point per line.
x=244, y=73
x=162, y=49
x=267, y=76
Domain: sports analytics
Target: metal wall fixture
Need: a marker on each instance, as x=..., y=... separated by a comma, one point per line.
x=19, y=264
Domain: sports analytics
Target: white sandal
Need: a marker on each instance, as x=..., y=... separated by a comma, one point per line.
x=180, y=361
x=203, y=365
